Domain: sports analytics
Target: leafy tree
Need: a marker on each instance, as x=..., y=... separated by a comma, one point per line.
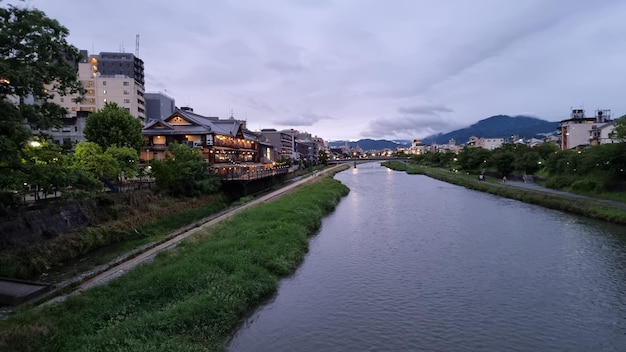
x=502, y=160
x=35, y=61
x=89, y=157
x=527, y=162
x=184, y=173
x=323, y=157
x=114, y=126
x=127, y=160
x=620, y=129
x=473, y=159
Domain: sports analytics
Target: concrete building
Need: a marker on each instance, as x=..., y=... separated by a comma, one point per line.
x=576, y=132
x=108, y=78
x=486, y=143
x=282, y=141
x=159, y=106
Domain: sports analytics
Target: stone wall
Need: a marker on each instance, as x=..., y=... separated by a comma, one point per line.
x=34, y=225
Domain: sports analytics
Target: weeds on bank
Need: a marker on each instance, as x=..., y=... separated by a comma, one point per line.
x=578, y=206
x=189, y=298
x=128, y=232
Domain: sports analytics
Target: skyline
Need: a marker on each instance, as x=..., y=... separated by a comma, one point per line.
x=349, y=69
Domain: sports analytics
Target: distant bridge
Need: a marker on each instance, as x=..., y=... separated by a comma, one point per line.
x=365, y=160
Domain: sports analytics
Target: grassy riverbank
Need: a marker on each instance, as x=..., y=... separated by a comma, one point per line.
x=581, y=206
x=189, y=298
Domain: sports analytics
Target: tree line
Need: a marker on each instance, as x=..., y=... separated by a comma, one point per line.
x=592, y=169
x=37, y=63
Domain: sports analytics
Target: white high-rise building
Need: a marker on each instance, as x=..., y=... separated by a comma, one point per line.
x=108, y=78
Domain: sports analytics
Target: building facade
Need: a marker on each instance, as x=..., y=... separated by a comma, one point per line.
x=159, y=106
x=576, y=132
x=232, y=151
x=107, y=78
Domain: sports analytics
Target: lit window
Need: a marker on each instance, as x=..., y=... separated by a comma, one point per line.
x=105, y=100
x=90, y=83
x=104, y=91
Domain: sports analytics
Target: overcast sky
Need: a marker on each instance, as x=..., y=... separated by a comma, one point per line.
x=351, y=69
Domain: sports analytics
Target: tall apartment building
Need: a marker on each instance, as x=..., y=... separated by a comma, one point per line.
x=108, y=78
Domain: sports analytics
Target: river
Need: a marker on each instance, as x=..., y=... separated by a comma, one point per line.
x=409, y=263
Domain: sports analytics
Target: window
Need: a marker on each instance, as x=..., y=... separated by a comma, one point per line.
x=126, y=92
x=62, y=100
x=89, y=83
x=73, y=108
x=104, y=83
x=104, y=92
x=105, y=100
x=91, y=101
x=126, y=101
x=90, y=92
x=127, y=109
x=126, y=84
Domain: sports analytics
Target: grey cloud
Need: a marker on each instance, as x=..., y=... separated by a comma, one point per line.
x=284, y=67
x=305, y=119
x=424, y=109
x=408, y=127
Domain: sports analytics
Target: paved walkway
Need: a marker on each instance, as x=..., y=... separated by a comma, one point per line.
x=538, y=188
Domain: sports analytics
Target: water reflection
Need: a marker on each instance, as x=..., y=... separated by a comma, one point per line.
x=408, y=263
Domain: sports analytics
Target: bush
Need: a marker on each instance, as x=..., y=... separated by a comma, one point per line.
x=560, y=182
x=588, y=186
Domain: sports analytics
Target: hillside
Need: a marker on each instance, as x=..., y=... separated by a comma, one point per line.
x=371, y=144
x=500, y=126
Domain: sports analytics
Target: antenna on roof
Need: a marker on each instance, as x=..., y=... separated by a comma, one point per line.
x=136, y=45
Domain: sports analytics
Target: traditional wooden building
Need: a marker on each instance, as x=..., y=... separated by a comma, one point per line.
x=232, y=151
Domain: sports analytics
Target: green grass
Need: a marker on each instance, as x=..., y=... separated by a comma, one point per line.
x=108, y=241
x=189, y=298
x=584, y=207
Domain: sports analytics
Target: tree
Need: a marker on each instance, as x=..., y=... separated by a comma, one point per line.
x=184, y=173
x=35, y=61
x=323, y=157
x=620, y=129
x=89, y=157
x=114, y=126
x=473, y=159
x=127, y=160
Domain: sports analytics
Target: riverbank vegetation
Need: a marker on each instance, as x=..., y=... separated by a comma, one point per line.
x=189, y=298
x=597, y=171
x=577, y=205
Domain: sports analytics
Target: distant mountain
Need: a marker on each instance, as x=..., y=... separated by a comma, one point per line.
x=371, y=144
x=500, y=126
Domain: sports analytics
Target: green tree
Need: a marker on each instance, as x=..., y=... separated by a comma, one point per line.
x=473, y=159
x=35, y=61
x=502, y=160
x=620, y=129
x=114, y=126
x=323, y=157
x=89, y=157
x=184, y=173
x=528, y=162
x=127, y=160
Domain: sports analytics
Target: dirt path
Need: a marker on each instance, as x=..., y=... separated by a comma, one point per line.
x=122, y=268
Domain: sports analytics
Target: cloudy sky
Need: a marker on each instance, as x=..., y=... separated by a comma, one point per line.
x=351, y=69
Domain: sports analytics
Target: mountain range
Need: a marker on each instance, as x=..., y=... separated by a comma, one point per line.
x=499, y=126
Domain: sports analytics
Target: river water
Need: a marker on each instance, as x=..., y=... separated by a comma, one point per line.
x=409, y=263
